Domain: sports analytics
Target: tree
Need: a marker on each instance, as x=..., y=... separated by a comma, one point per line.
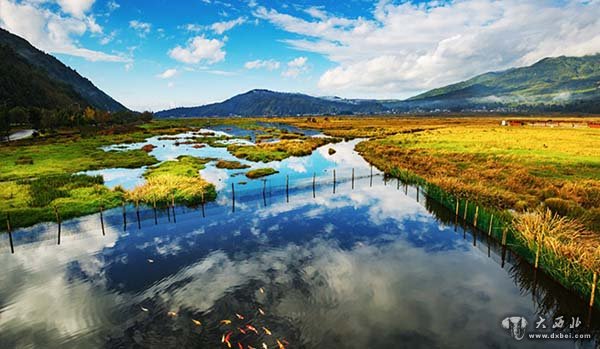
x=89, y=115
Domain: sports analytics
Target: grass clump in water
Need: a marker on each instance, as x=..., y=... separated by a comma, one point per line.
x=231, y=165
x=267, y=152
x=261, y=172
x=177, y=181
x=33, y=201
x=567, y=250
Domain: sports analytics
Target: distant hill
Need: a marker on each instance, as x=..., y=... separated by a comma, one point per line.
x=30, y=77
x=563, y=84
x=552, y=83
x=270, y=103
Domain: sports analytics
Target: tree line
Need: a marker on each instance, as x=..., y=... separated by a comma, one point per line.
x=49, y=120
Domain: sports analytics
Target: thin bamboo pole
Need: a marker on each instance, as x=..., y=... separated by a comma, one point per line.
x=102, y=220
x=594, y=281
x=10, y=238
x=58, y=221
x=538, y=251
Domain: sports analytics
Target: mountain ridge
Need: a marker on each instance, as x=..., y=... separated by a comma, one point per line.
x=551, y=84
x=56, y=71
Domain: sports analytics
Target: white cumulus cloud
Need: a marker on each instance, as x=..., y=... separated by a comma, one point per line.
x=76, y=8
x=167, y=74
x=295, y=67
x=54, y=32
x=406, y=47
x=221, y=27
x=142, y=28
x=270, y=64
x=199, y=49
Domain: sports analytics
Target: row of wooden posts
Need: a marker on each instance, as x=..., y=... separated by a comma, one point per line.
x=172, y=209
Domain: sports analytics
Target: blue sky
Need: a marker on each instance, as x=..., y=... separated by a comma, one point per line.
x=160, y=54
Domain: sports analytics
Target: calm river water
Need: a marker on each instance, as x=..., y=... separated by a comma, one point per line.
x=367, y=264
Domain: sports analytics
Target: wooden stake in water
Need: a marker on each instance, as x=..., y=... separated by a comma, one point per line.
x=314, y=184
x=418, y=189
x=265, y=192
x=594, y=281
x=173, y=206
x=476, y=216
x=456, y=207
x=353, y=178
x=58, y=221
x=334, y=181
x=155, y=214
x=371, y=184
x=287, y=188
x=202, y=204
x=456, y=213
x=466, y=210
x=504, y=232
x=8, y=228
x=491, y=225
x=137, y=214
x=102, y=220
x=233, y=197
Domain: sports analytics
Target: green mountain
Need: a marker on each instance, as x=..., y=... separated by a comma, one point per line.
x=30, y=77
x=551, y=82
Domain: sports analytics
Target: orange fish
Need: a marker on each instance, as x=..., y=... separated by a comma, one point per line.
x=172, y=314
x=261, y=311
x=251, y=347
x=239, y=316
x=261, y=290
x=240, y=345
x=225, y=322
x=265, y=346
x=267, y=331
x=196, y=322
x=242, y=331
x=281, y=346
x=252, y=328
x=226, y=337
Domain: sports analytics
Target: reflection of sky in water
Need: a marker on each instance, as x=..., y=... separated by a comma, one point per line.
x=168, y=148
x=361, y=268
x=128, y=178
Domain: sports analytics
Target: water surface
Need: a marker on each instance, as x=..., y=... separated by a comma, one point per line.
x=356, y=264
